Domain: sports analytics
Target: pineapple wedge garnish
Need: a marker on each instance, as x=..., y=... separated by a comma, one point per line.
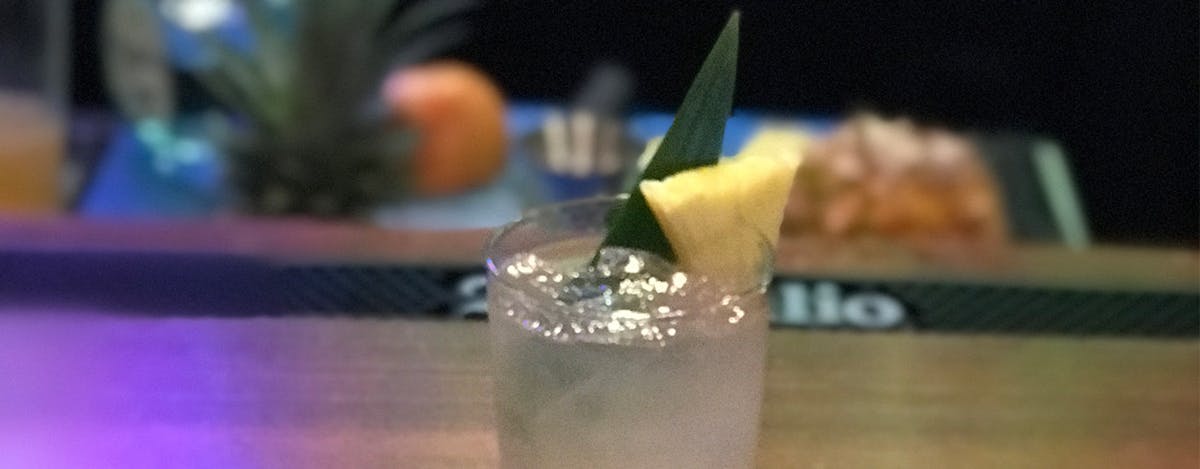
x=780, y=140
x=723, y=219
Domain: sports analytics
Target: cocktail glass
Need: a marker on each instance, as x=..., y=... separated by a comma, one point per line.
x=627, y=362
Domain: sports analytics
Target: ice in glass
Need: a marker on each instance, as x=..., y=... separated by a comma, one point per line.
x=624, y=361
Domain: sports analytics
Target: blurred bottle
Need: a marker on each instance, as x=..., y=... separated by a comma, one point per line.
x=33, y=104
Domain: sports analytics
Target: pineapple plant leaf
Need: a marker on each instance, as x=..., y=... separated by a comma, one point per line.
x=313, y=135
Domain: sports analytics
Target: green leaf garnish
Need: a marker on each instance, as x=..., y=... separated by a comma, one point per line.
x=693, y=140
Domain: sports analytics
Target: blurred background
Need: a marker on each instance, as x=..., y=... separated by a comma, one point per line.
x=1009, y=138
x=984, y=182
x=1116, y=83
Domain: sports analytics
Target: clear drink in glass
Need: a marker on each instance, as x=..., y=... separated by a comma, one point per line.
x=624, y=362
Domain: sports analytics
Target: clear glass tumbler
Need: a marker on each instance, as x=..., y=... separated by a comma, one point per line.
x=628, y=363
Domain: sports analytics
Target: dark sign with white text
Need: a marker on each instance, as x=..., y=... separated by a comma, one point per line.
x=796, y=302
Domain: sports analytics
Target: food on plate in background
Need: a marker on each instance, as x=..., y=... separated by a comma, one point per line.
x=925, y=187
x=878, y=183
x=458, y=115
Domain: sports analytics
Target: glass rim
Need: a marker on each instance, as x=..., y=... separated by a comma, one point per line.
x=528, y=215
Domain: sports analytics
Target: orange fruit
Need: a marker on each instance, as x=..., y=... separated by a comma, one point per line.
x=458, y=114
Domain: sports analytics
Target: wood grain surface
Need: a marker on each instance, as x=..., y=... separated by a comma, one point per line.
x=353, y=393
x=304, y=240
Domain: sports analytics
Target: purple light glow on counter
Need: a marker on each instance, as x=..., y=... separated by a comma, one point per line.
x=96, y=391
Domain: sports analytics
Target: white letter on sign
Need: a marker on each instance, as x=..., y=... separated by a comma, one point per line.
x=872, y=311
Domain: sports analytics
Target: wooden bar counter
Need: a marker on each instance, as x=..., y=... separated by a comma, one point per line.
x=366, y=393
x=313, y=241
x=341, y=392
